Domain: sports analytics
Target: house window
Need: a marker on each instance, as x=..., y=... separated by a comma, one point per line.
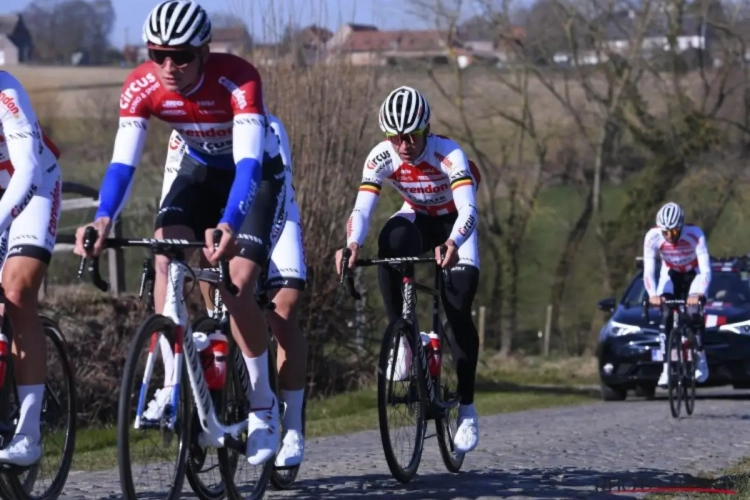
x=2, y=58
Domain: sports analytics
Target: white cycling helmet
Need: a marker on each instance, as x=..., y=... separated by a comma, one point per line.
x=404, y=111
x=670, y=216
x=177, y=22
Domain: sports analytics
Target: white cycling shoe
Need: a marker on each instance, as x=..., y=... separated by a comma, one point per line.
x=22, y=451
x=664, y=377
x=292, y=449
x=155, y=409
x=262, y=434
x=467, y=435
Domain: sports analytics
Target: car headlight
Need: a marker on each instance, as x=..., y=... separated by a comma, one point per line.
x=619, y=329
x=742, y=328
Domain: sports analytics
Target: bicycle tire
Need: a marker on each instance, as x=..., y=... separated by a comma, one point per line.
x=689, y=383
x=282, y=478
x=452, y=460
x=131, y=377
x=236, y=407
x=199, y=487
x=393, y=332
x=674, y=370
x=22, y=489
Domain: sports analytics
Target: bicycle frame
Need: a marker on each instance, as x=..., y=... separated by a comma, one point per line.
x=214, y=433
x=406, y=268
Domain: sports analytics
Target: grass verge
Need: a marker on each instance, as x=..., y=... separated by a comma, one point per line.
x=500, y=389
x=736, y=478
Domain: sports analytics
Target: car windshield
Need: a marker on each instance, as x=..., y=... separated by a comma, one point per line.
x=726, y=287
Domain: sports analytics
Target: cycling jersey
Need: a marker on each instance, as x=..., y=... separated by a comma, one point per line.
x=689, y=254
x=29, y=177
x=222, y=121
x=286, y=267
x=440, y=182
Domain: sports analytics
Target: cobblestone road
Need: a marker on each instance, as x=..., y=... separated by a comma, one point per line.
x=542, y=454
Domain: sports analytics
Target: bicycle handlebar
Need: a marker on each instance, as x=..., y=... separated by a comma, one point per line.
x=348, y=279
x=670, y=302
x=170, y=247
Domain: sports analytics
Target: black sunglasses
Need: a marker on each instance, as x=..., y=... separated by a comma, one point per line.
x=179, y=57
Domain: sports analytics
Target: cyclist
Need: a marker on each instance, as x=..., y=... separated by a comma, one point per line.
x=231, y=178
x=31, y=185
x=685, y=270
x=284, y=283
x=435, y=179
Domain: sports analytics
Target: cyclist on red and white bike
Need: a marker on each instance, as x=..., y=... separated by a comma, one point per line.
x=685, y=271
x=438, y=185
x=31, y=185
x=231, y=178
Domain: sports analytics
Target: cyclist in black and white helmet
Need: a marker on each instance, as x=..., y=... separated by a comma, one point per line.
x=685, y=271
x=438, y=184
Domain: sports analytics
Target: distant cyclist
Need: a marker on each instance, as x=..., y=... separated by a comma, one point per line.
x=438, y=186
x=685, y=271
x=284, y=281
x=31, y=185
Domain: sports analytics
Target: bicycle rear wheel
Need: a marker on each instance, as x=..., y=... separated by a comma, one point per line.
x=46, y=479
x=446, y=424
x=406, y=373
x=235, y=405
x=203, y=473
x=167, y=445
x=282, y=478
x=675, y=367
x=689, y=373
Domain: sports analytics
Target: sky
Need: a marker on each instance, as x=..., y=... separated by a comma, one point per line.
x=258, y=14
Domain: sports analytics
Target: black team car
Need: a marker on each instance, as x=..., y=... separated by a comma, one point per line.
x=628, y=350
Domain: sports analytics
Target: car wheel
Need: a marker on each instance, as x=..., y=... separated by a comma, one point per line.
x=610, y=393
x=645, y=391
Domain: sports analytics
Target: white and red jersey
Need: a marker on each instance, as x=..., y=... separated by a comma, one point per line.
x=441, y=181
x=690, y=253
x=209, y=117
x=222, y=120
x=26, y=161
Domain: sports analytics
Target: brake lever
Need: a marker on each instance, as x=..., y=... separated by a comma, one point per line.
x=89, y=239
x=446, y=271
x=345, y=264
x=226, y=280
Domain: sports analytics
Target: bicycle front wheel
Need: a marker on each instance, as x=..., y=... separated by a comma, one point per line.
x=401, y=390
x=45, y=480
x=163, y=431
x=675, y=367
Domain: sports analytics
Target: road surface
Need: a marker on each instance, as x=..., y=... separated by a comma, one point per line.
x=541, y=454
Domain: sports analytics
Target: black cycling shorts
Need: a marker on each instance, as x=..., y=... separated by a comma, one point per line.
x=199, y=194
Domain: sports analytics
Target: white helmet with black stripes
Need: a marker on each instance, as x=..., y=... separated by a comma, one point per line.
x=404, y=111
x=177, y=22
x=670, y=216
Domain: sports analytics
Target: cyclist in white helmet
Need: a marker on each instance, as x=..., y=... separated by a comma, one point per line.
x=685, y=270
x=438, y=184
x=231, y=178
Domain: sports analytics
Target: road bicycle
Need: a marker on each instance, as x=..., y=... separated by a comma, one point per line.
x=58, y=419
x=681, y=356
x=199, y=464
x=430, y=388
x=171, y=332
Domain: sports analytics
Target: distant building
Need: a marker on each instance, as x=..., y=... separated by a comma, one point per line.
x=16, y=45
x=234, y=40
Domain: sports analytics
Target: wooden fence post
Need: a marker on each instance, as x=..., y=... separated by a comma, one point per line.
x=547, y=331
x=482, y=316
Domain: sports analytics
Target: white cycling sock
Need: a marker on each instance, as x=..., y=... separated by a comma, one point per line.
x=293, y=413
x=31, y=397
x=467, y=411
x=210, y=311
x=260, y=395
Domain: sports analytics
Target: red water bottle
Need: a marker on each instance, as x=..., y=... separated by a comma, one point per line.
x=436, y=356
x=215, y=361
x=4, y=353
